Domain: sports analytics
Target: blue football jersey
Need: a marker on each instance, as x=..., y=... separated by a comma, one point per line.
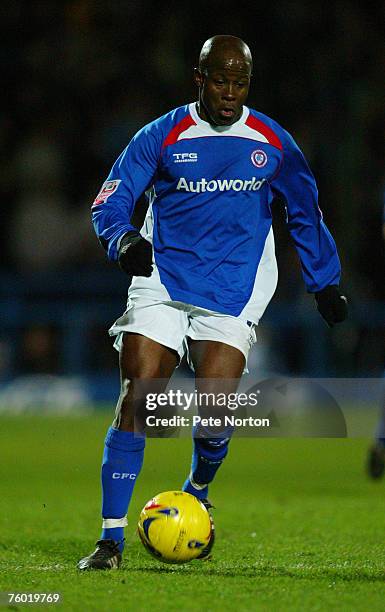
x=210, y=190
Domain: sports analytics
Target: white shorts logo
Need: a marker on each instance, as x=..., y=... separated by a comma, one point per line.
x=259, y=158
x=108, y=188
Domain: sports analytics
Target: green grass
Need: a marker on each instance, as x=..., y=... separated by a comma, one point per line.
x=299, y=526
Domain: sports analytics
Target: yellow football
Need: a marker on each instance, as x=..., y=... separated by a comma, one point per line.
x=175, y=527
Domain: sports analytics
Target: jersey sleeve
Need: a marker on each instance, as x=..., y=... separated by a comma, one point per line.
x=316, y=248
x=132, y=173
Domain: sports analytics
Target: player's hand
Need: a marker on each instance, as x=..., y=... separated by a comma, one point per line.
x=135, y=255
x=332, y=306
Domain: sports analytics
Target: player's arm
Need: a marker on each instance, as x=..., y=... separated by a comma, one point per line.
x=317, y=251
x=112, y=210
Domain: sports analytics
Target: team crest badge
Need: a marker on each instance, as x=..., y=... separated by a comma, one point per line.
x=259, y=158
x=108, y=188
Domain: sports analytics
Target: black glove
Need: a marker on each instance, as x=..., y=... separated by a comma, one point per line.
x=135, y=255
x=332, y=306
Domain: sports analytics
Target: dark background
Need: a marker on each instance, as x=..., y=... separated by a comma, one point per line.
x=80, y=78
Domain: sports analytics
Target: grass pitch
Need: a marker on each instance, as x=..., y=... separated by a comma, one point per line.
x=299, y=526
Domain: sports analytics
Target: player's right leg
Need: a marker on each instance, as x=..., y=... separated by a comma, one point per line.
x=142, y=361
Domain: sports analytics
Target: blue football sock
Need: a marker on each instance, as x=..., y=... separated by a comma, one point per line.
x=208, y=455
x=196, y=490
x=122, y=462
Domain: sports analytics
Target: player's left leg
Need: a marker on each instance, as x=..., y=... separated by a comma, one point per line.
x=218, y=368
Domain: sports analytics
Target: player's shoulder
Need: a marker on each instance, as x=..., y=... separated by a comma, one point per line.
x=161, y=126
x=277, y=134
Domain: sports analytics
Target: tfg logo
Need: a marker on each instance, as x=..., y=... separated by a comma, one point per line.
x=123, y=476
x=180, y=158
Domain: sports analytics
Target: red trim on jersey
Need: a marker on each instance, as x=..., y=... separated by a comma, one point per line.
x=176, y=131
x=257, y=124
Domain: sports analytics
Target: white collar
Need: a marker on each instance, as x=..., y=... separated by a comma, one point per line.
x=217, y=128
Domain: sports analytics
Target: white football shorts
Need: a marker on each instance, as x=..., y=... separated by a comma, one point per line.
x=170, y=323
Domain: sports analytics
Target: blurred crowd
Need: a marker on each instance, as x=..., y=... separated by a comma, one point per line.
x=81, y=77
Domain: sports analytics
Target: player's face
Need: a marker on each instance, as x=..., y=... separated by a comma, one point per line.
x=223, y=91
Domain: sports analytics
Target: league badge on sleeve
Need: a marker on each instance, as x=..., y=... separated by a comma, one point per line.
x=108, y=188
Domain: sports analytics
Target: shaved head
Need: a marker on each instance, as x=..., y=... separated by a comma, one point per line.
x=225, y=50
x=223, y=79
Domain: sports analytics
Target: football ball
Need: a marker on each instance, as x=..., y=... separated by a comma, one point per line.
x=175, y=527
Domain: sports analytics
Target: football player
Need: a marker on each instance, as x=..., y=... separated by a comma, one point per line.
x=202, y=268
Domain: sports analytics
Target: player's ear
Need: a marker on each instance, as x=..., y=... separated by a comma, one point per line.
x=198, y=77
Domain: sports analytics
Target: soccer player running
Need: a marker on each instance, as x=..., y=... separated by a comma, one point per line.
x=203, y=265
